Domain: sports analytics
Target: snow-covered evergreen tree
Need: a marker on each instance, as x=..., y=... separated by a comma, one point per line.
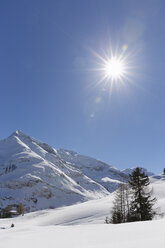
x=141, y=206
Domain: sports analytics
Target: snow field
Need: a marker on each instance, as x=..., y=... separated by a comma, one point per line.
x=82, y=225
x=132, y=235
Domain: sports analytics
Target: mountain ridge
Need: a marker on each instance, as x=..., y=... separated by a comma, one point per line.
x=39, y=176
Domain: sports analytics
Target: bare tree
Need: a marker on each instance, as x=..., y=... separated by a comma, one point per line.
x=120, y=212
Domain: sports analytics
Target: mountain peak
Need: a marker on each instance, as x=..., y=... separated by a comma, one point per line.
x=19, y=133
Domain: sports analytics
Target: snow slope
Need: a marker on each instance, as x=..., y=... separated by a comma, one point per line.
x=104, y=174
x=34, y=174
x=82, y=225
x=134, y=235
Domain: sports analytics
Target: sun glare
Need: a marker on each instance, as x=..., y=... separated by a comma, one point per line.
x=114, y=68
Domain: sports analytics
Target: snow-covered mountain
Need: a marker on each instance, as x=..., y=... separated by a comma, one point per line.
x=34, y=174
x=100, y=172
x=39, y=176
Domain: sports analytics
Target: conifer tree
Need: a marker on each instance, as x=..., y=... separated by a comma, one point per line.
x=141, y=207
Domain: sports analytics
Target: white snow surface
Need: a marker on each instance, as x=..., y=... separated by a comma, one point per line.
x=32, y=170
x=41, y=177
x=82, y=225
x=95, y=169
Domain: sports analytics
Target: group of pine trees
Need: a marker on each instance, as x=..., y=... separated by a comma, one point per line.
x=133, y=200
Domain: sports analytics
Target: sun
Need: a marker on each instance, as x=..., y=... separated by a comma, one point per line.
x=114, y=68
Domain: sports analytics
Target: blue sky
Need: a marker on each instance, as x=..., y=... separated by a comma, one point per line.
x=49, y=92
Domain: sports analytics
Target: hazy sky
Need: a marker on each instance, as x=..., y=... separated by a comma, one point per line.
x=48, y=90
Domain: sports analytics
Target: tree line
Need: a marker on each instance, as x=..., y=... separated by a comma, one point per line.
x=133, y=200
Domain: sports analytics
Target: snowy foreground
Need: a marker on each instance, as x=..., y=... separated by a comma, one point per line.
x=81, y=225
x=42, y=177
x=148, y=234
